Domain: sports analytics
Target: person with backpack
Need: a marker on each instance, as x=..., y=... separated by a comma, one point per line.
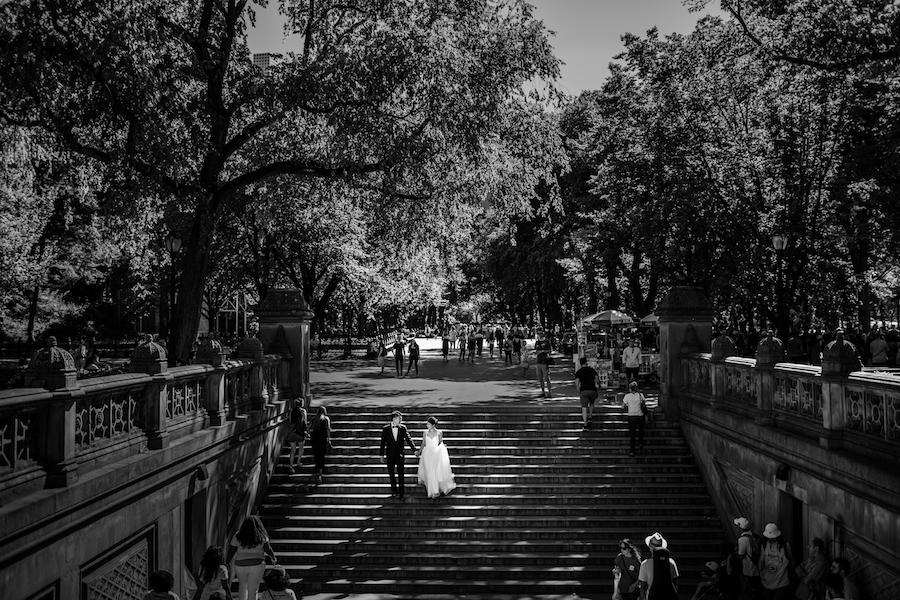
x=775, y=565
x=749, y=548
x=658, y=575
x=298, y=433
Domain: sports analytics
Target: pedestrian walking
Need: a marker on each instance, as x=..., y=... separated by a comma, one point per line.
x=213, y=577
x=413, y=356
x=631, y=358
x=634, y=403
x=517, y=347
x=451, y=337
x=248, y=552
x=398, y=347
x=626, y=568
x=774, y=565
x=320, y=440
x=472, y=345
x=659, y=574
x=381, y=354
x=435, y=472
x=463, y=344
x=479, y=340
x=749, y=547
x=587, y=382
x=491, y=338
x=394, y=439
x=507, y=351
x=298, y=433
x=542, y=362
x=445, y=346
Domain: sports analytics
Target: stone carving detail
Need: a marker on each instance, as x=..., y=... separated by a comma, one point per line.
x=875, y=580
x=17, y=447
x=873, y=412
x=237, y=391
x=123, y=577
x=799, y=396
x=106, y=418
x=740, y=487
x=184, y=399
x=740, y=385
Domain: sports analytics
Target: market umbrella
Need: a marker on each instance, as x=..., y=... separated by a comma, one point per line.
x=608, y=318
x=650, y=319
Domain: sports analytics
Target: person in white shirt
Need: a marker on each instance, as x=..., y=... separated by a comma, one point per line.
x=633, y=403
x=631, y=358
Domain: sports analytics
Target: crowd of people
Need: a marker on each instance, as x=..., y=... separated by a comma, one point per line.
x=877, y=348
x=757, y=567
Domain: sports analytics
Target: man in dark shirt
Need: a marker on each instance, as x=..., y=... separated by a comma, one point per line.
x=586, y=382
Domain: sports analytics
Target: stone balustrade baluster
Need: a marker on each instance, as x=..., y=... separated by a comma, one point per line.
x=769, y=353
x=53, y=368
x=150, y=358
x=839, y=359
x=722, y=348
x=210, y=352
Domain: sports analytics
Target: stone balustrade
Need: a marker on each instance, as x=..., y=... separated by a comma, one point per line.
x=858, y=411
x=48, y=435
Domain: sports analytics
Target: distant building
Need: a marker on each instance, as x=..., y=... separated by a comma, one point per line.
x=263, y=60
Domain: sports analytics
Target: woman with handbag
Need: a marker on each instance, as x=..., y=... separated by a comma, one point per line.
x=248, y=552
x=627, y=566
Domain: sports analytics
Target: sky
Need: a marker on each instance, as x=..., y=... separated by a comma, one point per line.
x=587, y=33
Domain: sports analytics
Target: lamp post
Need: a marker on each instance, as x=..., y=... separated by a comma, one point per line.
x=779, y=242
x=173, y=245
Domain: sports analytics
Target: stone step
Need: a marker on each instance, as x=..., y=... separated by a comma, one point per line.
x=380, y=477
x=374, y=466
x=383, y=497
x=622, y=513
x=607, y=549
x=336, y=485
x=675, y=458
x=490, y=533
x=435, y=521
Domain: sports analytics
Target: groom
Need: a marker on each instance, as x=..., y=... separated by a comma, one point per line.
x=394, y=437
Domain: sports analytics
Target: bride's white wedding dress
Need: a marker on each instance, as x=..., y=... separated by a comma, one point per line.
x=434, y=466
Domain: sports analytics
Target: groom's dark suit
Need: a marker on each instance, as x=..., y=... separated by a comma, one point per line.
x=393, y=446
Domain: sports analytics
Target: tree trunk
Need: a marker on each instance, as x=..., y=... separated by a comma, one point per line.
x=32, y=311
x=590, y=280
x=185, y=322
x=615, y=300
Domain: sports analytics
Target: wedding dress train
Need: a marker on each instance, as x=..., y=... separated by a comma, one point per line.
x=434, y=467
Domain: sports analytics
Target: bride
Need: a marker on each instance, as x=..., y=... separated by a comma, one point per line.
x=434, y=462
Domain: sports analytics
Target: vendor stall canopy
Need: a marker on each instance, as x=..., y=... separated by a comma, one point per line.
x=608, y=318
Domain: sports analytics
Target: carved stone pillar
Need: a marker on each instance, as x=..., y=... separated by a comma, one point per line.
x=685, y=325
x=54, y=368
x=284, y=318
x=839, y=359
x=150, y=358
x=769, y=353
x=210, y=352
x=722, y=348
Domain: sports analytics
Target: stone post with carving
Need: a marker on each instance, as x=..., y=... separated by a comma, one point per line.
x=685, y=325
x=252, y=349
x=769, y=352
x=284, y=318
x=839, y=359
x=210, y=352
x=53, y=368
x=722, y=348
x=150, y=358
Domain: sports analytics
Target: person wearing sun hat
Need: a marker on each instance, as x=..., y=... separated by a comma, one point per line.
x=657, y=582
x=774, y=565
x=749, y=546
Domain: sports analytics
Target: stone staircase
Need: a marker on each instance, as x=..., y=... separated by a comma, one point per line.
x=538, y=512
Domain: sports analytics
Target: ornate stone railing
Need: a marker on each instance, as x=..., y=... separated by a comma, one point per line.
x=857, y=410
x=47, y=435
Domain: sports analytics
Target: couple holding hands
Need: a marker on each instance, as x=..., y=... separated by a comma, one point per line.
x=434, y=461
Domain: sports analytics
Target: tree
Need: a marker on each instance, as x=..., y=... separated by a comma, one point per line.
x=168, y=96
